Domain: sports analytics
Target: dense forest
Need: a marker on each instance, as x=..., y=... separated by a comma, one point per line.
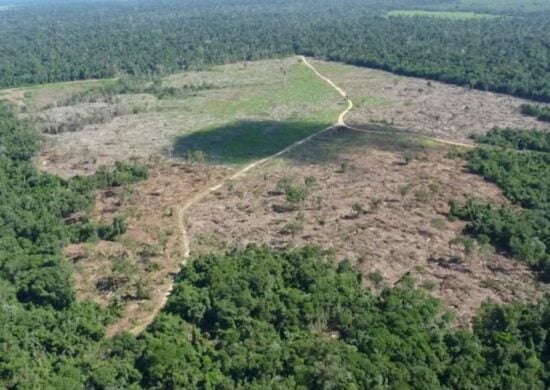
x=52, y=42
x=254, y=318
x=521, y=167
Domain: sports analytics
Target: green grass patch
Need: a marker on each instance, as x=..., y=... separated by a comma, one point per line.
x=302, y=86
x=261, y=119
x=458, y=15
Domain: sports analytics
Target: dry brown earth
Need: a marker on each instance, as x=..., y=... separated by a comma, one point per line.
x=401, y=227
x=432, y=108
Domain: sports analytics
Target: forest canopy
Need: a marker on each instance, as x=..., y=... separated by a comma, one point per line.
x=48, y=43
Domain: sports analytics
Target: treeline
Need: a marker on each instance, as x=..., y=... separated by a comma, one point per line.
x=538, y=141
x=97, y=40
x=542, y=113
x=522, y=170
x=109, y=92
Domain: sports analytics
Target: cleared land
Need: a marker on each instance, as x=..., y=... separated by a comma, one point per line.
x=245, y=110
x=368, y=205
x=241, y=112
x=379, y=199
x=427, y=107
x=135, y=273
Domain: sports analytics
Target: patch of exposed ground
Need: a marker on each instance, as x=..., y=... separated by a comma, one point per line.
x=88, y=135
x=367, y=204
x=429, y=107
x=380, y=200
x=134, y=273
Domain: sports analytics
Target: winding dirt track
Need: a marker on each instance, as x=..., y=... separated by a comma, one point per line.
x=182, y=209
x=186, y=247
x=186, y=250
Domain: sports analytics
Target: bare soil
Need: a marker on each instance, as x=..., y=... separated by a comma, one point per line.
x=379, y=200
x=429, y=107
x=264, y=91
x=369, y=207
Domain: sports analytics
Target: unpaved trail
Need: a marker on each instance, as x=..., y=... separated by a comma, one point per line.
x=341, y=119
x=181, y=210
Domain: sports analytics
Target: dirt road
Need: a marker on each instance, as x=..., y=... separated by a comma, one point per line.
x=341, y=119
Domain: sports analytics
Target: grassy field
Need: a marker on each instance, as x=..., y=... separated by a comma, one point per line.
x=302, y=87
x=238, y=112
x=457, y=15
x=291, y=104
x=38, y=97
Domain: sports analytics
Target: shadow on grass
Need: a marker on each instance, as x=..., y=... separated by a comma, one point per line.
x=330, y=146
x=245, y=141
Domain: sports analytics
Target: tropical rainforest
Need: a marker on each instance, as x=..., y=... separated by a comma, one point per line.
x=49, y=42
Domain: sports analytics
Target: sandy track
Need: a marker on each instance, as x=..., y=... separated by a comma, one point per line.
x=181, y=210
x=341, y=119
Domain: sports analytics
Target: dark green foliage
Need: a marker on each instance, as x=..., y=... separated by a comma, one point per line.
x=517, y=139
x=103, y=39
x=540, y=112
x=263, y=315
x=112, y=231
x=18, y=142
x=525, y=234
x=44, y=333
x=524, y=177
x=122, y=174
x=262, y=319
x=135, y=85
x=46, y=285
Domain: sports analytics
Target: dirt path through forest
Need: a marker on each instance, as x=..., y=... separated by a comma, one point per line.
x=183, y=209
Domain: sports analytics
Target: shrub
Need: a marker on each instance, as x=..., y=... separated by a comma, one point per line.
x=111, y=232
